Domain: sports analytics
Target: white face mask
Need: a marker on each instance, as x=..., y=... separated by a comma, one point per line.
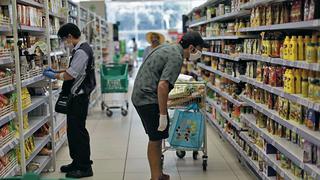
x=195, y=56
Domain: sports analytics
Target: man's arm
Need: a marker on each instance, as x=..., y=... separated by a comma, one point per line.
x=163, y=91
x=64, y=76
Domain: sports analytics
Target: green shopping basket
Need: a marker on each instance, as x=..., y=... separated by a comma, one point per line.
x=114, y=78
x=32, y=176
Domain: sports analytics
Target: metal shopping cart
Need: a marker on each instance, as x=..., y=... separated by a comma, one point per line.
x=181, y=97
x=114, y=79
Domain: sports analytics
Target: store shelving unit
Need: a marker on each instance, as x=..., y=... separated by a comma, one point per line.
x=290, y=150
x=41, y=109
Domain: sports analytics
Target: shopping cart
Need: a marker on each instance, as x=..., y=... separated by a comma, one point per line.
x=114, y=79
x=182, y=96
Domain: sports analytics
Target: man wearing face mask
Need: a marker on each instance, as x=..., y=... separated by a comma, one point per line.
x=154, y=39
x=154, y=81
x=78, y=82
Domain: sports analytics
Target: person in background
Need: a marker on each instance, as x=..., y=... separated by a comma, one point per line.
x=154, y=81
x=154, y=39
x=134, y=52
x=78, y=83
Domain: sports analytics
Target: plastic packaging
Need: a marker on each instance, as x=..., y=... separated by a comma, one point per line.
x=293, y=55
x=305, y=83
x=301, y=49
x=286, y=47
x=297, y=78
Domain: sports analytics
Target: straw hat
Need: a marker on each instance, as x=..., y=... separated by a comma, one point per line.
x=149, y=34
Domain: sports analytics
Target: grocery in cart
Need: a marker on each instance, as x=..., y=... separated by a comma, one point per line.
x=187, y=125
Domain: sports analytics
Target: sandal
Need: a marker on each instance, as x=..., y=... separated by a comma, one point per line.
x=164, y=177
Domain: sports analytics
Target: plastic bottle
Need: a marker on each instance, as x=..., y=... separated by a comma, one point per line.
x=312, y=85
x=301, y=49
x=318, y=51
x=291, y=88
x=297, y=78
x=286, y=47
x=293, y=48
x=306, y=41
x=268, y=46
x=305, y=83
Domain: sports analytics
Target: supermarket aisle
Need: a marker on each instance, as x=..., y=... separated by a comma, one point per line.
x=119, y=152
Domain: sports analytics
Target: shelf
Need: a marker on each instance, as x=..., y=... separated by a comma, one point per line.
x=32, y=29
x=308, y=25
x=221, y=55
x=199, y=22
x=57, y=53
x=32, y=80
x=279, y=61
x=6, y=89
x=280, y=92
x=57, y=16
x=30, y=3
x=39, y=144
x=290, y=150
x=224, y=114
x=228, y=16
x=209, y=68
x=8, y=146
x=35, y=123
x=36, y=101
x=13, y=171
x=43, y=161
x=269, y=158
x=60, y=123
x=234, y=37
x=225, y=95
x=253, y=3
x=7, y=118
x=60, y=142
x=311, y=136
x=6, y=60
x=253, y=165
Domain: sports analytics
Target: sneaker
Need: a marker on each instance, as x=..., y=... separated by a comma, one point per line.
x=80, y=173
x=67, y=168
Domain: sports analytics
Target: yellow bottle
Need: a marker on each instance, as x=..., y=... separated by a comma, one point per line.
x=311, y=53
x=293, y=49
x=291, y=89
x=297, y=79
x=286, y=47
x=285, y=81
x=307, y=40
x=305, y=83
x=312, y=85
x=301, y=49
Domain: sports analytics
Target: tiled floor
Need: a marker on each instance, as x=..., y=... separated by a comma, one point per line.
x=118, y=147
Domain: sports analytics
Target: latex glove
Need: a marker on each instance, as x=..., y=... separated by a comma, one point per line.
x=163, y=122
x=49, y=74
x=50, y=69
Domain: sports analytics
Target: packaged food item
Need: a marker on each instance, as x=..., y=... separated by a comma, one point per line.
x=293, y=50
x=269, y=15
x=305, y=83
x=290, y=82
x=295, y=112
x=312, y=85
x=286, y=48
x=301, y=49
x=307, y=152
x=312, y=9
x=298, y=81
x=317, y=88
x=314, y=154
x=283, y=108
x=312, y=119
x=311, y=51
x=273, y=76
x=306, y=10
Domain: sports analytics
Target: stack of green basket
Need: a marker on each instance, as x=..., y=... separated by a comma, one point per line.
x=32, y=176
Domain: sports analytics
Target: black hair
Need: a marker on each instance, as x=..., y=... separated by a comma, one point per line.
x=185, y=44
x=192, y=38
x=67, y=29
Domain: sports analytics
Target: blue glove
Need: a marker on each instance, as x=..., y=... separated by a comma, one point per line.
x=50, y=69
x=49, y=74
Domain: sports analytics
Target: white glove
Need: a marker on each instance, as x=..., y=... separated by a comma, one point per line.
x=163, y=122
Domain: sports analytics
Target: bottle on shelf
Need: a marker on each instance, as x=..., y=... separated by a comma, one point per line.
x=311, y=52
x=301, y=48
x=297, y=78
x=307, y=40
x=305, y=83
x=286, y=47
x=311, y=85
x=318, y=51
x=293, y=50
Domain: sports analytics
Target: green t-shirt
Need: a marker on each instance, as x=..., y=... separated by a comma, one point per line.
x=164, y=63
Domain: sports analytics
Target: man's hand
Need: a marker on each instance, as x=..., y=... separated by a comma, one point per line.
x=163, y=122
x=50, y=69
x=50, y=74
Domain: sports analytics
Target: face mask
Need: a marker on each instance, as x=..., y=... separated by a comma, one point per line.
x=195, y=56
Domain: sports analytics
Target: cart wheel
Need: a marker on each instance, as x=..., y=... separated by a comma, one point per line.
x=124, y=112
x=195, y=155
x=204, y=165
x=162, y=161
x=102, y=106
x=181, y=154
x=109, y=113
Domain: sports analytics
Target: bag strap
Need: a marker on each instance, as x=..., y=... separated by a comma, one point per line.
x=153, y=50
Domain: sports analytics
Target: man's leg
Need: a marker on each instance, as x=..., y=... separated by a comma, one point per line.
x=154, y=157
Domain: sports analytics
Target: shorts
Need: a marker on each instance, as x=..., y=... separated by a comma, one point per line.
x=149, y=115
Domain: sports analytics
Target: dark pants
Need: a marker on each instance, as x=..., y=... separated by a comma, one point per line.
x=78, y=136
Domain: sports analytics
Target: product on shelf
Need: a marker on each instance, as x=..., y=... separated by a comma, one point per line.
x=30, y=16
x=7, y=162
